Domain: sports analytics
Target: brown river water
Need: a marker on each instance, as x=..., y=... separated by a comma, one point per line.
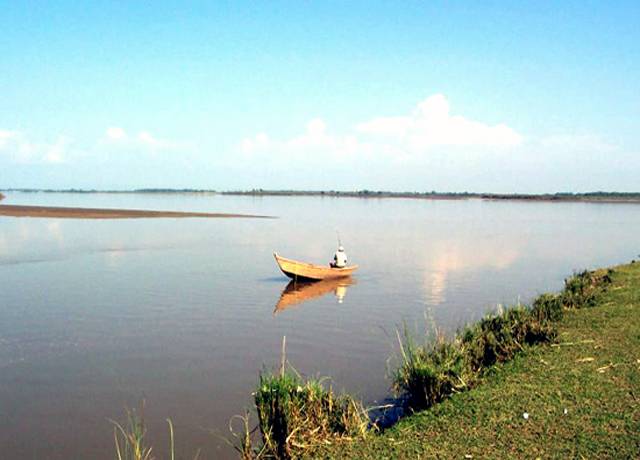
x=97, y=315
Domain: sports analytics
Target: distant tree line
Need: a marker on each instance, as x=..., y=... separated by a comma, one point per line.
x=366, y=193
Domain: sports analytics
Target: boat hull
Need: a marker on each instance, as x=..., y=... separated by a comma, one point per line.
x=309, y=272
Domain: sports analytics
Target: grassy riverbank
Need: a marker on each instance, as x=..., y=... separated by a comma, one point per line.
x=580, y=393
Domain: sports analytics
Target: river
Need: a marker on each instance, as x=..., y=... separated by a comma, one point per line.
x=98, y=315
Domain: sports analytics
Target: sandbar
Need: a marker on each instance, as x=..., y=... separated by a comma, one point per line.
x=105, y=213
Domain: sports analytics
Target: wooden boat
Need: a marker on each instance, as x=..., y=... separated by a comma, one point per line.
x=303, y=271
x=297, y=292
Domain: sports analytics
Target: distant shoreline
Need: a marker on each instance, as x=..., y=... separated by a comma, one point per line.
x=588, y=197
x=595, y=197
x=101, y=213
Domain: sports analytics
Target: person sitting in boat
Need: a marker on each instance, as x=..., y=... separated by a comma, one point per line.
x=339, y=259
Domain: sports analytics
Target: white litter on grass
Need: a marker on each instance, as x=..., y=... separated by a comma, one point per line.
x=526, y=415
x=565, y=411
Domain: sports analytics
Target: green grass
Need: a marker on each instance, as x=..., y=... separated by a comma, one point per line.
x=296, y=415
x=431, y=372
x=580, y=392
x=130, y=438
x=497, y=338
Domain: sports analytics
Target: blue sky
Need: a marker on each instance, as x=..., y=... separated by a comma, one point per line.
x=451, y=96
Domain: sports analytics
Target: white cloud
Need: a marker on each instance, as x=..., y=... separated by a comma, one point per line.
x=145, y=138
x=386, y=126
x=118, y=136
x=6, y=136
x=429, y=125
x=115, y=133
x=259, y=142
x=56, y=152
x=314, y=140
x=21, y=149
x=11, y=143
x=315, y=136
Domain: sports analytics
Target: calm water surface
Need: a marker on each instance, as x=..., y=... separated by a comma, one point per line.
x=96, y=315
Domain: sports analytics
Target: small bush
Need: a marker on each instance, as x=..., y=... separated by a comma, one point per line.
x=296, y=415
x=547, y=307
x=498, y=338
x=428, y=375
x=527, y=329
x=581, y=289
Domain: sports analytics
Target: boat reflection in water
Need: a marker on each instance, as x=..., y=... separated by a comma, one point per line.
x=298, y=292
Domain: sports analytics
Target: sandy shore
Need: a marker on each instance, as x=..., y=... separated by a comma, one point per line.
x=94, y=213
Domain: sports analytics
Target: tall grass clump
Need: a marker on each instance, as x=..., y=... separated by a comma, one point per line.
x=431, y=372
x=243, y=443
x=497, y=338
x=548, y=307
x=296, y=415
x=130, y=438
x=581, y=289
x=428, y=374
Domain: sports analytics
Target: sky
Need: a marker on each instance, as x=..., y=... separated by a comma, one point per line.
x=526, y=97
